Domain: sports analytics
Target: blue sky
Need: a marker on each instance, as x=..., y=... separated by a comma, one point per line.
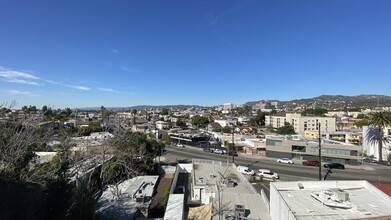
x=125, y=53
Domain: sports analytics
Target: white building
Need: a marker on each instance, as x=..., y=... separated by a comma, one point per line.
x=161, y=125
x=301, y=123
x=226, y=122
x=328, y=200
x=370, y=141
x=228, y=106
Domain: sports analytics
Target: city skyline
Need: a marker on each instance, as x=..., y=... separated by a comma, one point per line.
x=128, y=53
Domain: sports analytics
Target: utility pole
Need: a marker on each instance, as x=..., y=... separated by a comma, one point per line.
x=320, y=154
x=233, y=146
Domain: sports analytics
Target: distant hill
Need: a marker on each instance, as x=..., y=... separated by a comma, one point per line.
x=140, y=107
x=337, y=101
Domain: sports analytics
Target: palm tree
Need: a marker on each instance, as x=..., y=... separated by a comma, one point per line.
x=380, y=120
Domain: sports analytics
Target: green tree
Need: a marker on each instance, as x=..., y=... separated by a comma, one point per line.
x=286, y=129
x=380, y=120
x=258, y=120
x=67, y=112
x=44, y=109
x=180, y=123
x=134, y=154
x=166, y=138
x=226, y=129
x=362, y=116
x=84, y=131
x=95, y=127
x=199, y=120
x=46, y=188
x=165, y=111
x=320, y=112
x=103, y=111
x=362, y=123
x=25, y=109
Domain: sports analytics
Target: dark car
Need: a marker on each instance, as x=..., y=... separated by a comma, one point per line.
x=334, y=166
x=233, y=153
x=385, y=163
x=369, y=160
x=311, y=163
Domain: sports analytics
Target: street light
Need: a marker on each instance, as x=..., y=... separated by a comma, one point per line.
x=320, y=154
x=233, y=145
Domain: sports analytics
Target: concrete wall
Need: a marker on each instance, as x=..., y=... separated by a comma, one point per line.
x=278, y=208
x=174, y=180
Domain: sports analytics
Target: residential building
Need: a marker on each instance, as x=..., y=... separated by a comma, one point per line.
x=124, y=115
x=301, y=123
x=226, y=122
x=162, y=125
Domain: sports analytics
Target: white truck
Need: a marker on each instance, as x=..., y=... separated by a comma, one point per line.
x=245, y=170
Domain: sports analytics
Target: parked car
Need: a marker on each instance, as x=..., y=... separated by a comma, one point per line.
x=180, y=145
x=385, y=163
x=267, y=174
x=218, y=151
x=245, y=170
x=369, y=160
x=311, y=163
x=285, y=160
x=334, y=166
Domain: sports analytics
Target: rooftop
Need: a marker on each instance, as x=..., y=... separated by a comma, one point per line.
x=216, y=177
x=123, y=200
x=366, y=200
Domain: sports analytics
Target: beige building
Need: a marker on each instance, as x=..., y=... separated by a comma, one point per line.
x=348, y=137
x=162, y=125
x=280, y=147
x=301, y=124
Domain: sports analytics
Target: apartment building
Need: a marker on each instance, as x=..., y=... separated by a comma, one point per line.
x=301, y=124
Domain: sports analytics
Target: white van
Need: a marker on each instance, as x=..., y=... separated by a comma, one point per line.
x=245, y=170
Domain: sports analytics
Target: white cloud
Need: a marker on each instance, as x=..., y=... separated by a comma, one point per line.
x=13, y=76
x=78, y=87
x=109, y=90
x=17, y=92
x=22, y=81
x=51, y=81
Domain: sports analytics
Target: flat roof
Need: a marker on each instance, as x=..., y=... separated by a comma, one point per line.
x=209, y=174
x=367, y=201
x=212, y=172
x=174, y=208
x=120, y=202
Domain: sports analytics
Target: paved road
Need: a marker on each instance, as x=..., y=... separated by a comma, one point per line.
x=288, y=172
